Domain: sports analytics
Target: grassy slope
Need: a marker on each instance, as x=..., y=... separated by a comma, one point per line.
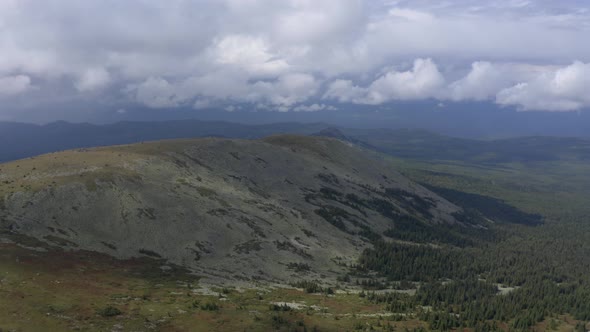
x=80, y=165
x=42, y=291
x=558, y=190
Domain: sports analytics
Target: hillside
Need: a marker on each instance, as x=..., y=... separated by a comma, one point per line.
x=425, y=145
x=275, y=209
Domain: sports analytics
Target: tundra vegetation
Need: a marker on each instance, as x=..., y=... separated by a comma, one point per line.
x=513, y=258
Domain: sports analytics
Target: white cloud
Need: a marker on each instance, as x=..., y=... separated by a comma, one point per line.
x=483, y=82
x=286, y=91
x=563, y=89
x=528, y=87
x=92, y=79
x=344, y=91
x=423, y=81
x=491, y=33
x=280, y=54
x=249, y=53
x=314, y=108
x=319, y=22
x=14, y=85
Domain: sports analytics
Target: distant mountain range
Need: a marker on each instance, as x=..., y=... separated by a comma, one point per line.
x=479, y=120
x=26, y=140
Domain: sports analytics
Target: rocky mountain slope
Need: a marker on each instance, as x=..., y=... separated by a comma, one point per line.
x=275, y=209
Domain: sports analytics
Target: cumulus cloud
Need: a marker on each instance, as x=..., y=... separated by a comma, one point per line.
x=528, y=87
x=483, y=82
x=422, y=81
x=345, y=91
x=282, y=55
x=286, y=90
x=249, y=53
x=563, y=89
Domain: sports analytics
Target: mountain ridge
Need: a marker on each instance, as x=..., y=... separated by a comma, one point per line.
x=26, y=140
x=226, y=209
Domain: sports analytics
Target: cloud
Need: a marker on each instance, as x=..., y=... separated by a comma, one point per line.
x=249, y=53
x=345, y=91
x=423, y=81
x=280, y=55
x=309, y=22
x=483, y=82
x=563, y=89
x=528, y=87
x=157, y=93
x=314, y=108
x=93, y=79
x=286, y=91
x=411, y=15
x=14, y=85
x=201, y=104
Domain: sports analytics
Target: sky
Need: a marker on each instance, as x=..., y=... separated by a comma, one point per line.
x=61, y=58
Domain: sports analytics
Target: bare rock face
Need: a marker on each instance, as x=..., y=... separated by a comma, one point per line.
x=276, y=209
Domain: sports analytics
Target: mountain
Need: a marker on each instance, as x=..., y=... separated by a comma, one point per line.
x=336, y=133
x=103, y=238
x=26, y=140
x=270, y=209
x=21, y=140
x=332, y=132
x=426, y=145
x=475, y=120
